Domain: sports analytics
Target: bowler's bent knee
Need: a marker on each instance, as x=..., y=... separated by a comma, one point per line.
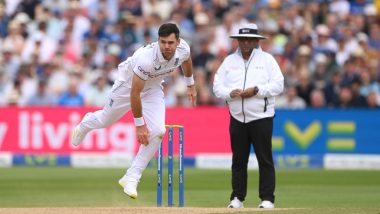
x=157, y=134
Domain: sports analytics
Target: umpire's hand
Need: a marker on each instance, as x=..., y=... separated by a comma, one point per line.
x=236, y=93
x=250, y=92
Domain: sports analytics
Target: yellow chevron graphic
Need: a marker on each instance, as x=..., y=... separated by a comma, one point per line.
x=305, y=138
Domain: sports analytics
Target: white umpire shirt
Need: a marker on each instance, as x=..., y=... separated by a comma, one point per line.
x=260, y=70
x=149, y=64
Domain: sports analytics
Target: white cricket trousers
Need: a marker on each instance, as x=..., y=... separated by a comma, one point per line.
x=119, y=103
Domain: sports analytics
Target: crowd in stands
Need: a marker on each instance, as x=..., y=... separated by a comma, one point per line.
x=66, y=52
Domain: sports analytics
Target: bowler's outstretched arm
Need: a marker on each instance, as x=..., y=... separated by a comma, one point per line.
x=142, y=132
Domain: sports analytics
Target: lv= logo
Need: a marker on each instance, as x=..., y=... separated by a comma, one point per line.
x=337, y=132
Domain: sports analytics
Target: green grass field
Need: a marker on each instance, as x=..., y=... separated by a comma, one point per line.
x=317, y=191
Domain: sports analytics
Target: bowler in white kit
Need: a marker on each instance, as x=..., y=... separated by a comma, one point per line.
x=139, y=88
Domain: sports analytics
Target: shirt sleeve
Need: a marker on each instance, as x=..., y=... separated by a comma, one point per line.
x=219, y=88
x=275, y=85
x=141, y=69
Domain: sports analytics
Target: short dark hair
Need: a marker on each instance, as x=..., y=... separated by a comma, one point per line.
x=167, y=29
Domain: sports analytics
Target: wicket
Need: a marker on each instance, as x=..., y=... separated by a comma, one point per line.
x=170, y=168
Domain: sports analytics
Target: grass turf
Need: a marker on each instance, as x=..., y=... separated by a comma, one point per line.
x=319, y=191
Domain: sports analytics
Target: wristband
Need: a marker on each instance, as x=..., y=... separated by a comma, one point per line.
x=139, y=121
x=189, y=80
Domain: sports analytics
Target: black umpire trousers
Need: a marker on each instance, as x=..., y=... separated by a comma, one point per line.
x=242, y=135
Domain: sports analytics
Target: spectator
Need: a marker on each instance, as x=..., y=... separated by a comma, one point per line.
x=25, y=24
x=345, y=98
x=56, y=6
x=367, y=85
x=74, y=16
x=14, y=96
x=202, y=32
x=42, y=97
x=71, y=49
x=305, y=87
x=94, y=50
x=341, y=54
x=320, y=75
x=374, y=36
x=72, y=97
x=332, y=64
x=14, y=39
x=332, y=89
x=4, y=19
x=204, y=56
x=10, y=61
x=39, y=46
x=303, y=60
x=205, y=97
x=317, y=99
x=357, y=100
x=373, y=100
x=323, y=41
x=29, y=7
x=348, y=32
x=290, y=100
x=98, y=92
x=5, y=87
x=293, y=19
x=350, y=72
x=221, y=42
x=162, y=7
x=370, y=53
x=185, y=24
x=340, y=7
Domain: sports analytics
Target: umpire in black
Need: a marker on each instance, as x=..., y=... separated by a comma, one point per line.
x=249, y=79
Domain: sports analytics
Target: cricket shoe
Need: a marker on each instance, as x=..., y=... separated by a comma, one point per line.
x=236, y=203
x=78, y=135
x=266, y=205
x=130, y=186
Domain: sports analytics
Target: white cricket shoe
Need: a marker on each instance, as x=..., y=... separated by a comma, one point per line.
x=130, y=186
x=77, y=136
x=123, y=180
x=236, y=203
x=266, y=205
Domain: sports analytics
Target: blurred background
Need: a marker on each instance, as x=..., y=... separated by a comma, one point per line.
x=65, y=53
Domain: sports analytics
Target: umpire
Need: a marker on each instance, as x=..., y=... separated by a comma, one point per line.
x=249, y=80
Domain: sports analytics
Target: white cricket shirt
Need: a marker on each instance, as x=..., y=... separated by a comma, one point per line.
x=260, y=70
x=149, y=64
